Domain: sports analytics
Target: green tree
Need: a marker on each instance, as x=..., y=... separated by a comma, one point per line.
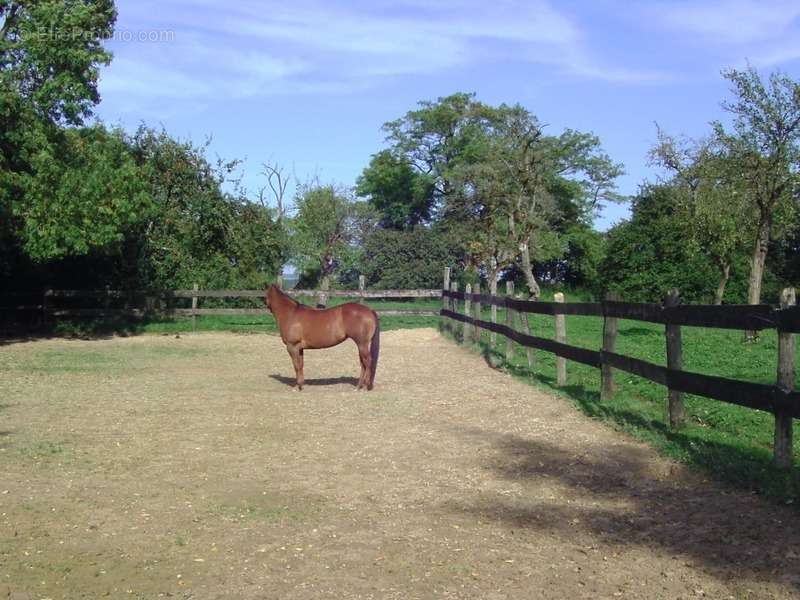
x=50, y=54
x=762, y=151
x=407, y=259
x=499, y=181
x=718, y=217
x=577, y=261
x=83, y=193
x=438, y=135
x=649, y=254
x=195, y=232
x=326, y=230
x=548, y=179
x=402, y=195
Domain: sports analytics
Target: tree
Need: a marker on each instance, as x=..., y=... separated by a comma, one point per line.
x=326, y=229
x=407, y=259
x=498, y=180
x=196, y=232
x=85, y=192
x=434, y=138
x=718, y=218
x=648, y=255
x=277, y=182
x=50, y=53
x=402, y=195
x=577, y=260
x=762, y=151
x=548, y=177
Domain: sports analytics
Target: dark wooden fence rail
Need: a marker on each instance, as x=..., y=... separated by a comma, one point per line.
x=143, y=302
x=779, y=399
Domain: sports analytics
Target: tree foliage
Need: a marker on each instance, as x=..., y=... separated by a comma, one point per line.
x=500, y=181
x=84, y=192
x=713, y=206
x=648, y=255
x=50, y=54
x=402, y=195
x=762, y=151
x=407, y=259
x=326, y=230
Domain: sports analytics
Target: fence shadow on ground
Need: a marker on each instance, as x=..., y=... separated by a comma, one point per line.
x=748, y=467
x=291, y=381
x=615, y=496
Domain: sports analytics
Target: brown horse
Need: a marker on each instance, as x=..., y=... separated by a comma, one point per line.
x=303, y=327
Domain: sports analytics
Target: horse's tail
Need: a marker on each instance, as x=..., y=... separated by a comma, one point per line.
x=374, y=349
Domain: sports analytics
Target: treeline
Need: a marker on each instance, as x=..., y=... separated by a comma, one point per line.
x=485, y=189
x=83, y=205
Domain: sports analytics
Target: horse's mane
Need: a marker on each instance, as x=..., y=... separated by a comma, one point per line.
x=284, y=294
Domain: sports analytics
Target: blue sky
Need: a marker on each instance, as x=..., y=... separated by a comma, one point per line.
x=308, y=84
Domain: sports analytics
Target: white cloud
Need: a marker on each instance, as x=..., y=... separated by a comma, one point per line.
x=253, y=48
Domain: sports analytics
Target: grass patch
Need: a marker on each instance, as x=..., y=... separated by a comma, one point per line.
x=267, y=509
x=730, y=442
x=41, y=450
x=82, y=360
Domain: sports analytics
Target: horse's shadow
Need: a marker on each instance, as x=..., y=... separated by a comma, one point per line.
x=291, y=381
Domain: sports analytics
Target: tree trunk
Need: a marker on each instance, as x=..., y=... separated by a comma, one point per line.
x=757, y=263
x=726, y=274
x=527, y=270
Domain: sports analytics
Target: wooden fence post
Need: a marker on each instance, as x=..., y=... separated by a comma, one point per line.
x=106, y=301
x=195, y=287
x=609, y=342
x=674, y=361
x=509, y=322
x=561, y=336
x=783, y=420
x=149, y=305
x=362, y=285
x=445, y=300
x=454, y=304
x=476, y=331
x=467, y=312
x=493, y=293
x=48, y=293
x=324, y=288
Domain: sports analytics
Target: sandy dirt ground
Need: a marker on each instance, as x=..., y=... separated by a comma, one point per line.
x=152, y=467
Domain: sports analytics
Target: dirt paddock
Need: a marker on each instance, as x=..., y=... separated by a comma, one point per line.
x=152, y=467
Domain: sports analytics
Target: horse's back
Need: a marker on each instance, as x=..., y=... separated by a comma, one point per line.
x=360, y=322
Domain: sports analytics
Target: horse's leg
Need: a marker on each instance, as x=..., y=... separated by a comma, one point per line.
x=366, y=364
x=296, y=352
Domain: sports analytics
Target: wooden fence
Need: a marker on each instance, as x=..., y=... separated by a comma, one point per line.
x=780, y=399
x=140, y=303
